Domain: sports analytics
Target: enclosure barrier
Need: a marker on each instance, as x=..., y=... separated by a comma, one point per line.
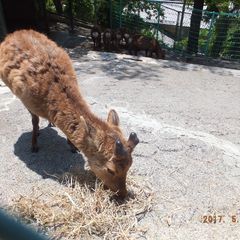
x=217, y=37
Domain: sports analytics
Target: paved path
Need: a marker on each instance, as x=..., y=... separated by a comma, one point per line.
x=188, y=119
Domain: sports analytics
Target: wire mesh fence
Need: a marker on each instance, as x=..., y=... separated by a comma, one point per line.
x=191, y=31
x=177, y=27
x=218, y=36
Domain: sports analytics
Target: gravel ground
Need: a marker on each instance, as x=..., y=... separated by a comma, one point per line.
x=187, y=118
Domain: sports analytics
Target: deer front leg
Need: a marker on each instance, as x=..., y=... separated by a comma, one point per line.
x=146, y=53
x=73, y=148
x=35, y=132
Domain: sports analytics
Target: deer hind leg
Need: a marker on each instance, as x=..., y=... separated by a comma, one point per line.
x=73, y=148
x=151, y=53
x=146, y=53
x=35, y=132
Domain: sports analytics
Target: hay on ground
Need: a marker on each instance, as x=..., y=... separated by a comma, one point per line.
x=80, y=211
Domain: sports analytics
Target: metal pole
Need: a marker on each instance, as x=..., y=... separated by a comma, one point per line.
x=120, y=12
x=182, y=17
x=95, y=12
x=110, y=14
x=71, y=15
x=176, y=30
x=3, y=29
x=158, y=9
x=44, y=18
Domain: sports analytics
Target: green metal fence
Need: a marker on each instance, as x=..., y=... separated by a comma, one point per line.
x=137, y=16
x=217, y=37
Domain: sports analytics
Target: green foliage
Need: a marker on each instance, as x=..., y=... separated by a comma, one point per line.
x=99, y=10
x=102, y=11
x=148, y=31
x=219, y=5
x=83, y=10
x=150, y=8
x=182, y=45
x=131, y=11
x=231, y=47
x=50, y=6
x=133, y=22
x=220, y=33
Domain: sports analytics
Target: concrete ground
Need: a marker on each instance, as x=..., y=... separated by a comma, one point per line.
x=188, y=120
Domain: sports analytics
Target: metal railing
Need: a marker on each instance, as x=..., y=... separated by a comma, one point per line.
x=218, y=36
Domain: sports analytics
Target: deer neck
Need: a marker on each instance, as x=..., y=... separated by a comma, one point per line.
x=82, y=135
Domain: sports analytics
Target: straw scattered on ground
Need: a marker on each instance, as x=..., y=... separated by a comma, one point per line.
x=85, y=210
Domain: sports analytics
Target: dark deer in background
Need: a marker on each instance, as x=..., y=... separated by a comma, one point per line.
x=116, y=39
x=96, y=36
x=107, y=39
x=148, y=44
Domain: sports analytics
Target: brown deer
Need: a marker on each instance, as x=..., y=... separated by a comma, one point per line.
x=148, y=44
x=107, y=39
x=116, y=39
x=126, y=37
x=41, y=75
x=96, y=36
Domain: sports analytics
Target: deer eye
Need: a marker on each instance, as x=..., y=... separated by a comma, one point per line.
x=111, y=171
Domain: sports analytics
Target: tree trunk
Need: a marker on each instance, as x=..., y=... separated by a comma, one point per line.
x=195, y=26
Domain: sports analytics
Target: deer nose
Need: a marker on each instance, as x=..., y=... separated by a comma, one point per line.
x=122, y=194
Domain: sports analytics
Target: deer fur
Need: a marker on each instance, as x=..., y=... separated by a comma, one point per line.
x=96, y=36
x=41, y=75
x=107, y=39
x=148, y=44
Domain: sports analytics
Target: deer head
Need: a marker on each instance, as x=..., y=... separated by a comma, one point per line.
x=114, y=157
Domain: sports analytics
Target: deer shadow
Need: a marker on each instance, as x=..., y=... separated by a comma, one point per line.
x=54, y=157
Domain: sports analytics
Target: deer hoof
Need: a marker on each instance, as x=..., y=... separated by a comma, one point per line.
x=73, y=150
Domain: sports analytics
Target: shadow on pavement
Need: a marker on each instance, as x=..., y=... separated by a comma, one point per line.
x=54, y=155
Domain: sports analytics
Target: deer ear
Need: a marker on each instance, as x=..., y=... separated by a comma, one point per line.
x=133, y=140
x=113, y=117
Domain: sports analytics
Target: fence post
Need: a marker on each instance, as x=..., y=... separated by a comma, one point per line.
x=209, y=34
x=176, y=29
x=95, y=11
x=70, y=14
x=3, y=28
x=158, y=17
x=182, y=17
x=120, y=13
x=110, y=14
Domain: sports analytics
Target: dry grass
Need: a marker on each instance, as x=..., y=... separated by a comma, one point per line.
x=81, y=211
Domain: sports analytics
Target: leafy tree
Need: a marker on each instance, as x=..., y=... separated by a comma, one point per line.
x=98, y=11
